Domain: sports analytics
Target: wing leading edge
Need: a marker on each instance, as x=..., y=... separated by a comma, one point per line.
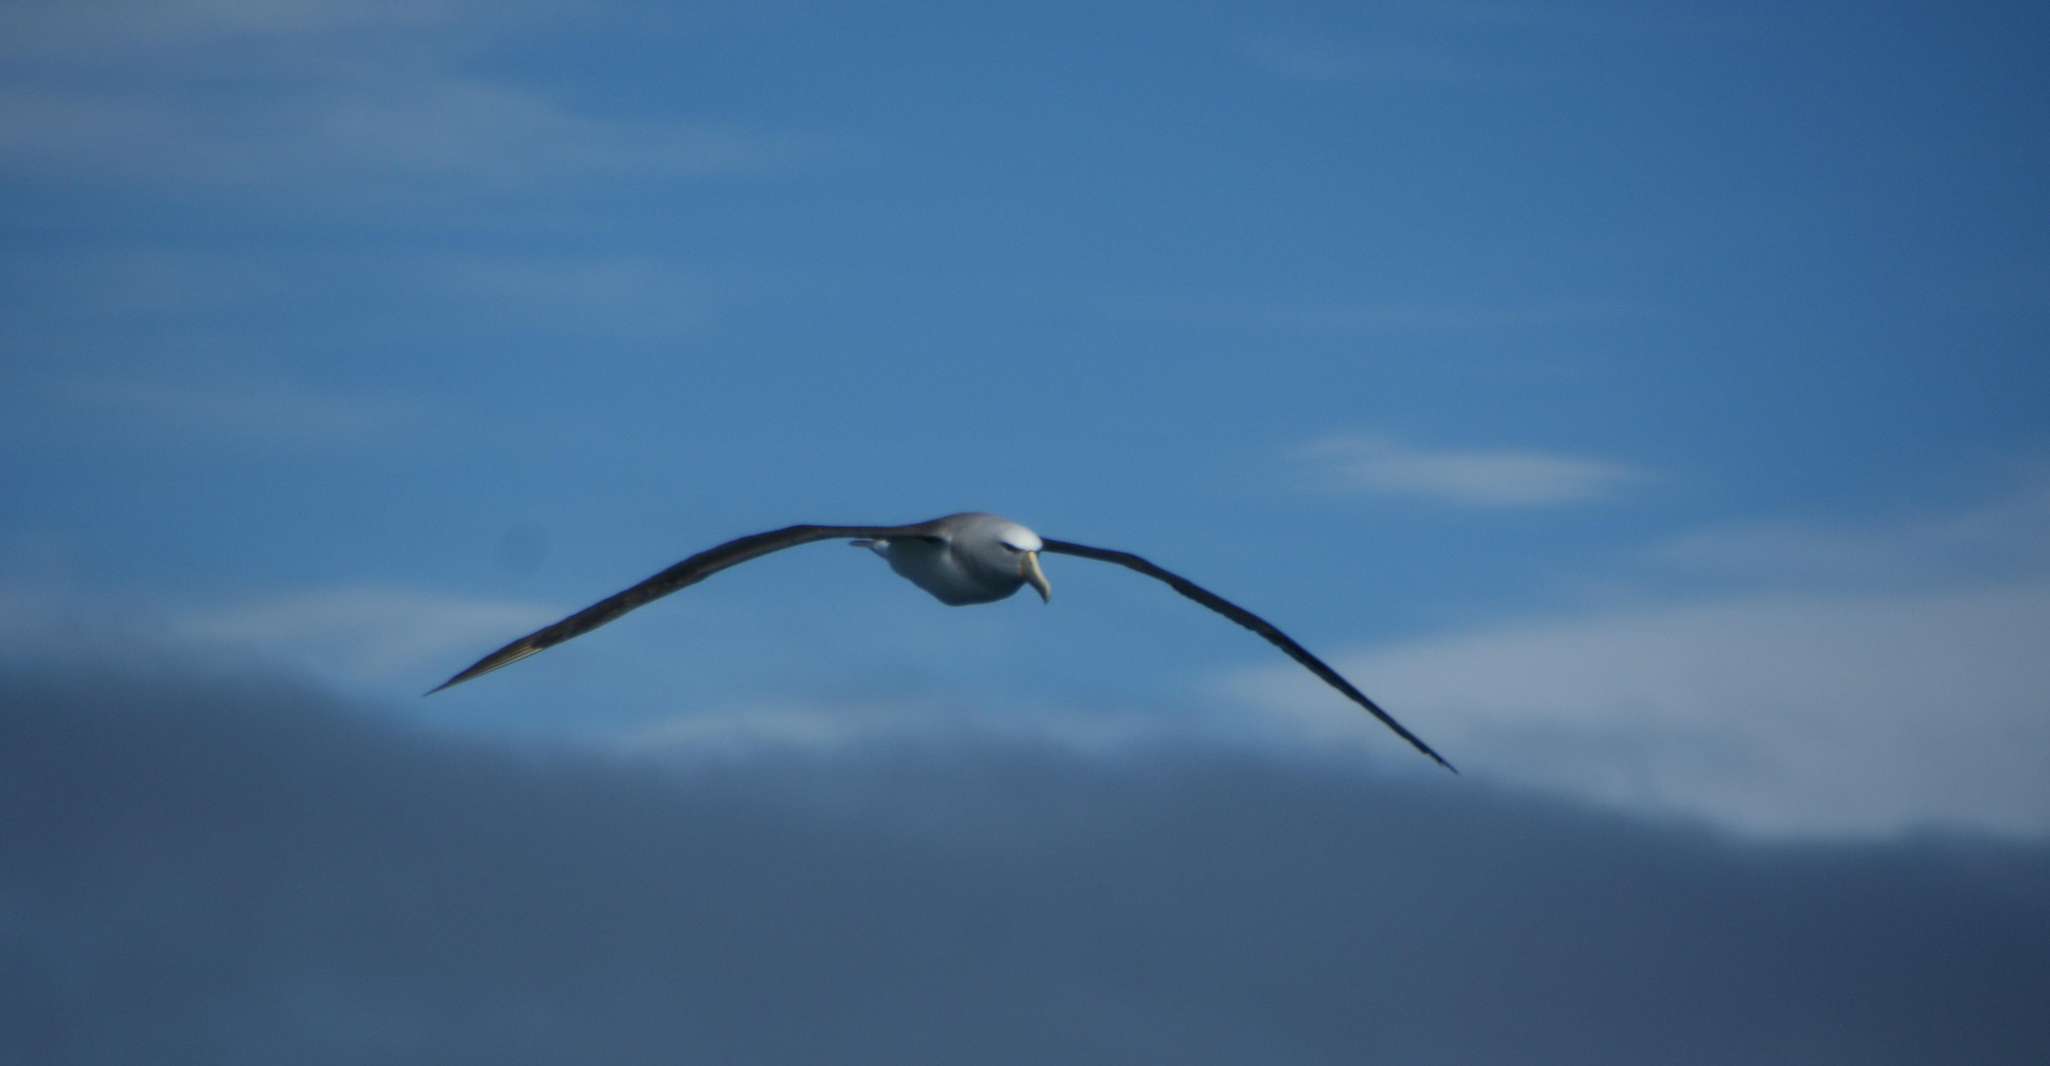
x=1253, y=622
x=683, y=575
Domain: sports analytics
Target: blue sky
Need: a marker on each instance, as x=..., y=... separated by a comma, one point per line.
x=1645, y=403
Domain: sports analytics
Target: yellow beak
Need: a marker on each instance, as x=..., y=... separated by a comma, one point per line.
x=1028, y=568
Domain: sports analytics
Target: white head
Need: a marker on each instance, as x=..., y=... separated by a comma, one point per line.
x=999, y=550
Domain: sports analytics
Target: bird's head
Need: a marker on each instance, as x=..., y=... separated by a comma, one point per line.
x=1000, y=545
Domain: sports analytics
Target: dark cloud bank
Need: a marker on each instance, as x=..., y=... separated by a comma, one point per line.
x=233, y=871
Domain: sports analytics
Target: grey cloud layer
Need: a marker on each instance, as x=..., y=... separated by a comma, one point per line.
x=227, y=870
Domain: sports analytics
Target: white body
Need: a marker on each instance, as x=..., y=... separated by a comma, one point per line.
x=969, y=558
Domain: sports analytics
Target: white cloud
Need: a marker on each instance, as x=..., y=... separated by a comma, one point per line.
x=768, y=726
x=1444, y=317
x=364, y=632
x=403, y=126
x=1474, y=478
x=1781, y=709
x=118, y=29
x=178, y=298
x=2007, y=537
x=841, y=724
x=137, y=281
x=497, y=132
x=242, y=405
x=619, y=295
x=1323, y=59
x=371, y=101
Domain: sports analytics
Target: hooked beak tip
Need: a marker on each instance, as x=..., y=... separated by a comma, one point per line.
x=1028, y=568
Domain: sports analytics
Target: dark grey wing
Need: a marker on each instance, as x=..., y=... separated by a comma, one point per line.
x=688, y=572
x=1253, y=622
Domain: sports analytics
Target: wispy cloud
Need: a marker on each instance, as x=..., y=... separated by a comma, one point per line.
x=374, y=101
x=1473, y=477
x=1447, y=317
x=362, y=632
x=267, y=408
x=1813, y=711
x=2004, y=538
x=499, y=132
x=178, y=298
x=53, y=28
x=412, y=127
x=1443, y=44
x=1324, y=59
x=845, y=724
x=138, y=282
x=616, y=295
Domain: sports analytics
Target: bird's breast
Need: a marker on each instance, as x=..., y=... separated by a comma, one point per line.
x=945, y=575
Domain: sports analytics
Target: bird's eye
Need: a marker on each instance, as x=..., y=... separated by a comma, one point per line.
x=1012, y=548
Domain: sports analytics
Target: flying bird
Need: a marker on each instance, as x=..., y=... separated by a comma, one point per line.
x=960, y=559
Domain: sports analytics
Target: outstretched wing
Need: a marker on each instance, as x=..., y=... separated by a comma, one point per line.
x=1253, y=622
x=688, y=572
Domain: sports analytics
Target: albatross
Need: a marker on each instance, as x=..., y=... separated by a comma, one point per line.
x=960, y=559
